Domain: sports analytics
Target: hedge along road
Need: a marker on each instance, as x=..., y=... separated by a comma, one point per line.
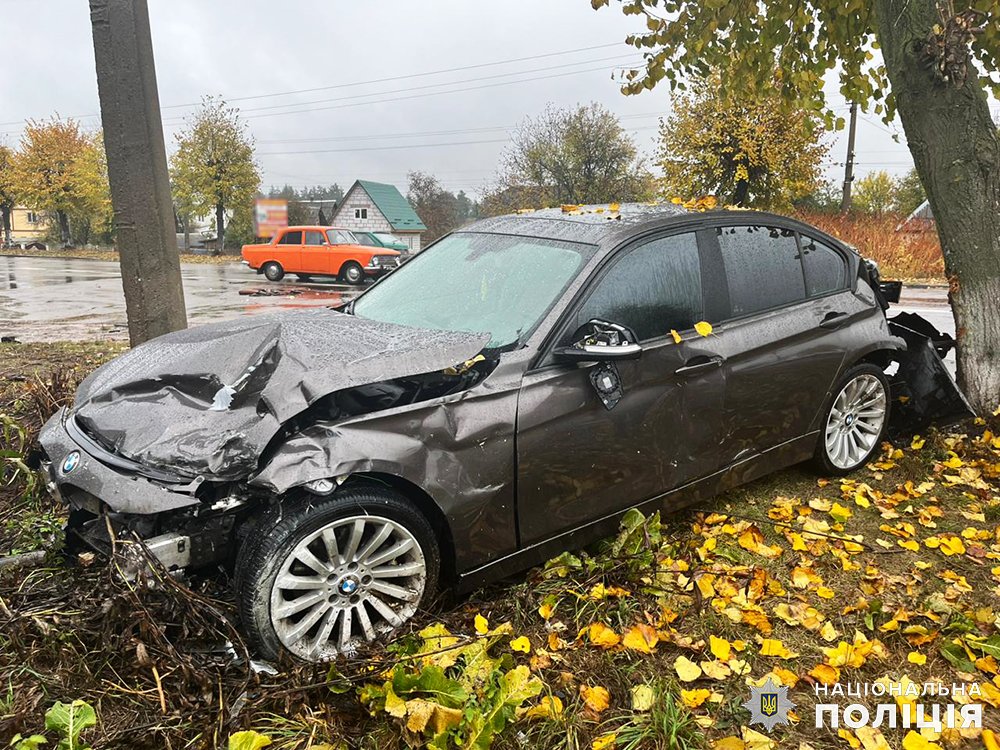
x=70, y=299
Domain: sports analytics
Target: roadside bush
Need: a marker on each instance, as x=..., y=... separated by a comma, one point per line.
x=904, y=255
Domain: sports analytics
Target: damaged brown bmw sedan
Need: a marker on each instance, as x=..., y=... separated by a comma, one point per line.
x=504, y=396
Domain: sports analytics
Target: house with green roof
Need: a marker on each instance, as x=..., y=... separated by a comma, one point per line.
x=377, y=207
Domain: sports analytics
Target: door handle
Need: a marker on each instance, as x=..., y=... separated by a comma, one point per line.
x=699, y=364
x=834, y=320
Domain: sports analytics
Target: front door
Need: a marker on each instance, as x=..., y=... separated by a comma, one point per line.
x=579, y=461
x=315, y=252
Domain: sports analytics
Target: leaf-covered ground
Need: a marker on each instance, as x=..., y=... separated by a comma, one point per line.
x=648, y=640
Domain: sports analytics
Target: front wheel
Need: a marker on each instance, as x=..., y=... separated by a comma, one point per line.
x=855, y=420
x=324, y=575
x=273, y=271
x=352, y=273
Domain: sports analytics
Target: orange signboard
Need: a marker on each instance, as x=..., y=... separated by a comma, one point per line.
x=270, y=216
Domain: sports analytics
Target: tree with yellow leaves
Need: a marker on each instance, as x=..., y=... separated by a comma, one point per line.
x=63, y=170
x=213, y=170
x=7, y=198
x=753, y=151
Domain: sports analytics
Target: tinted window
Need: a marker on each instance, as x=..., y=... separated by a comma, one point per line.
x=340, y=237
x=651, y=289
x=292, y=238
x=314, y=238
x=364, y=239
x=762, y=267
x=825, y=268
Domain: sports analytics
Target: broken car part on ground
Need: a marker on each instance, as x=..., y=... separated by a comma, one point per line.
x=504, y=396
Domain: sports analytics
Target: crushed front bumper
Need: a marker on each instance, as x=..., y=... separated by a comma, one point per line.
x=81, y=472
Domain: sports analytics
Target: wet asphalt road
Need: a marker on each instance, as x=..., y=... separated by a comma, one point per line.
x=58, y=299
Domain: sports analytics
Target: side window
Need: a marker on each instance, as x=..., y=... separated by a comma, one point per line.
x=762, y=265
x=314, y=238
x=364, y=239
x=825, y=268
x=291, y=238
x=651, y=288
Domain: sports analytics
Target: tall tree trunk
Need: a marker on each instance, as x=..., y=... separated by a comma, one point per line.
x=957, y=155
x=5, y=216
x=220, y=228
x=64, y=237
x=186, y=225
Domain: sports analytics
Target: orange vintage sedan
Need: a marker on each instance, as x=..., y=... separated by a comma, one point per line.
x=319, y=251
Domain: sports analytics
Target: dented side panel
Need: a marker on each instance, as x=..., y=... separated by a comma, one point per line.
x=459, y=450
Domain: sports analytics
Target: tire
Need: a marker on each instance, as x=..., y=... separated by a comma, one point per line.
x=303, y=277
x=371, y=606
x=273, y=271
x=352, y=273
x=854, y=421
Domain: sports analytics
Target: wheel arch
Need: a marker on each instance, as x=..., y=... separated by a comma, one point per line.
x=428, y=508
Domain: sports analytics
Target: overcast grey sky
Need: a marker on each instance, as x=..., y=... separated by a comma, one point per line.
x=250, y=51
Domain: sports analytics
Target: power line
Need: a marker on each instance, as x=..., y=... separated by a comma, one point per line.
x=426, y=94
x=614, y=58
x=462, y=131
x=366, y=82
x=402, y=146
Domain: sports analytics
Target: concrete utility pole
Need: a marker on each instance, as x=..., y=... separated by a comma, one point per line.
x=137, y=169
x=845, y=202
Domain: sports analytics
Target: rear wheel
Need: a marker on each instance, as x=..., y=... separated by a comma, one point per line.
x=319, y=577
x=855, y=420
x=273, y=271
x=352, y=273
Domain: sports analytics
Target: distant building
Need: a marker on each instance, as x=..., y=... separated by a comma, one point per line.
x=378, y=207
x=27, y=226
x=921, y=220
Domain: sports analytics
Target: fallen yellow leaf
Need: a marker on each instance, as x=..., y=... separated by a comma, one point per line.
x=596, y=698
x=915, y=657
x=642, y=698
x=605, y=741
x=686, y=669
x=694, y=698
x=482, y=625
x=916, y=741
x=603, y=636
x=720, y=648
x=704, y=328
x=549, y=707
x=521, y=644
x=641, y=638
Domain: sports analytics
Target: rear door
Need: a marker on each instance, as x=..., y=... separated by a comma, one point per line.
x=781, y=338
x=289, y=250
x=579, y=461
x=315, y=252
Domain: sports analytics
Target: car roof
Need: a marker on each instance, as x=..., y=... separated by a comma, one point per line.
x=600, y=225
x=317, y=227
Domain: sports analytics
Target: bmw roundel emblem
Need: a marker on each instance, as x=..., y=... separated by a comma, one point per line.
x=71, y=462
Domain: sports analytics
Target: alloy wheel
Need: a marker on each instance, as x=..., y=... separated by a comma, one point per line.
x=855, y=421
x=348, y=582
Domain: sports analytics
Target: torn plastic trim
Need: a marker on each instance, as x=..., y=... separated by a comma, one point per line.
x=924, y=392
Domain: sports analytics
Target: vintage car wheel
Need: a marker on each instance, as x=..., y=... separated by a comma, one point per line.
x=273, y=271
x=352, y=273
x=855, y=420
x=323, y=575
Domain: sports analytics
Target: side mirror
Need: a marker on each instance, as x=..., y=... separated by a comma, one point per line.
x=600, y=341
x=597, y=352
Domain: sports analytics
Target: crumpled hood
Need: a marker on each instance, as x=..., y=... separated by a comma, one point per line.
x=206, y=400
